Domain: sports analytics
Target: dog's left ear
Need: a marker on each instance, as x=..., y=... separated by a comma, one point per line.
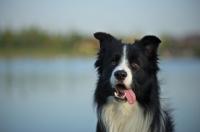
x=150, y=44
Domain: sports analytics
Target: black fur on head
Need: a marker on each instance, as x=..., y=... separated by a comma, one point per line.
x=148, y=44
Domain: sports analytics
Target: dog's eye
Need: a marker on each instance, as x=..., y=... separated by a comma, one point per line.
x=112, y=63
x=114, y=60
x=135, y=64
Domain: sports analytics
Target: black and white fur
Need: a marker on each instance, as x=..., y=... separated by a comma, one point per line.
x=137, y=64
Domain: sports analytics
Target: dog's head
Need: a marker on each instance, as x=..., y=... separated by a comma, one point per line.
x=127, y=70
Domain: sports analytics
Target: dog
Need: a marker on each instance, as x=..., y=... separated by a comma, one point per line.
x=127, y=94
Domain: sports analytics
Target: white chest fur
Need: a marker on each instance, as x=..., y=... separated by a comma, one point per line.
x=123, y=117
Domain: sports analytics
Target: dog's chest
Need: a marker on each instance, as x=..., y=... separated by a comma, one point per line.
x=123, y=117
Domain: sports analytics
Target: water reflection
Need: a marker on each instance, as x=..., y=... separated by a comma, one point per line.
x=56, y=94
x=47, y=95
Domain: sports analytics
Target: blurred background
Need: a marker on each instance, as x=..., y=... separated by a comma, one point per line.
x=47, y=52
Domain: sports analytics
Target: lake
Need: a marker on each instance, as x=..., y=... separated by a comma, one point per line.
x=56, y=95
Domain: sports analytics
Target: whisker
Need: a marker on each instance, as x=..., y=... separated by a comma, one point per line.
x=105, y=82
x=135, y=84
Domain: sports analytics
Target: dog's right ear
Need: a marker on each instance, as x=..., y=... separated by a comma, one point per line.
x=104, y=39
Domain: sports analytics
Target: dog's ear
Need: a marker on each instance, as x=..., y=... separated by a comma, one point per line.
x=150, y=44
x=104, y=39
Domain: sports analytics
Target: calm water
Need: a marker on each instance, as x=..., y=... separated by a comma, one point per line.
x=55, y=95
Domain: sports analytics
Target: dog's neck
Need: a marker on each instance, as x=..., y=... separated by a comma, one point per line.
x=123, y=117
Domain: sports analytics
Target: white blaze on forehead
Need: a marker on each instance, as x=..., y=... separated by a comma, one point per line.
x=123, y=65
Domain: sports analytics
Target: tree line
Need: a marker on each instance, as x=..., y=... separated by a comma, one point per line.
x=34, y=41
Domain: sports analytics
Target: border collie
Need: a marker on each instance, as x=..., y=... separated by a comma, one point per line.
x=127, y=95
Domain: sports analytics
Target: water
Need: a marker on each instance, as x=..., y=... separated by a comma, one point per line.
x=39, y=95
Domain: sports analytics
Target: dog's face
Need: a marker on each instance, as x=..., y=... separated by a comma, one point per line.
x=126, y=70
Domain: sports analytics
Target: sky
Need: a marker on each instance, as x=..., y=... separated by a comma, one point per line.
x=180, y=17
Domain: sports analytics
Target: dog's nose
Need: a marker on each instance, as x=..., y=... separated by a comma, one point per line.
x=120, y=75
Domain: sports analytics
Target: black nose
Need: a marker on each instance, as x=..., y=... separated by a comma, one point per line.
x=120, y=75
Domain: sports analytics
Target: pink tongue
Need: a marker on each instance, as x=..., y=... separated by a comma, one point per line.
x=130, y=95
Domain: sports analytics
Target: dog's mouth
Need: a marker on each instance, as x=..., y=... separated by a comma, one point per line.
x=122, y=93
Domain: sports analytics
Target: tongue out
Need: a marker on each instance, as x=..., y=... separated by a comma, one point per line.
x=130, y=95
